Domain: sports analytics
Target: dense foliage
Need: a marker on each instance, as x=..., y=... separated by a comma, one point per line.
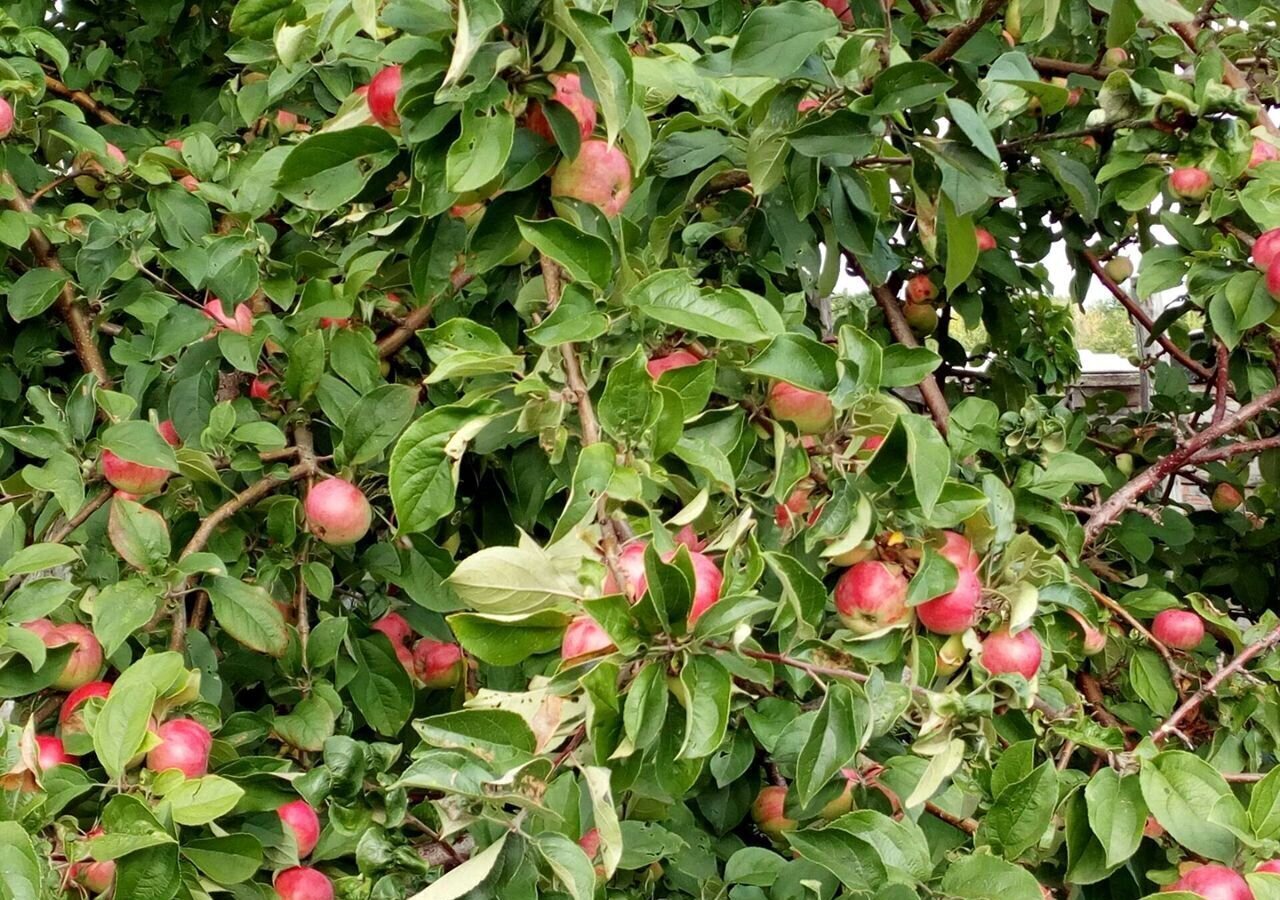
x=433, y=463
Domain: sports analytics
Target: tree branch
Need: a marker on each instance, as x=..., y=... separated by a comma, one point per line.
x=72, y=312
x=1062, y=67
x=80, y=99
x=1114, y=505
x=1237, y=449
x=1221, y=374
x=960, y=35
x=1137, y=313
x=551, y=279
x=397, y=337
x=1207, y=690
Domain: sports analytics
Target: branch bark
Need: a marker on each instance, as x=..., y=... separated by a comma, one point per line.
x=960, y=35
x=1138, y=314
x=1221, y=374
x=1236, y=449
x=80, y=99
x=553, y=281
x=397, y=337
x=1062, y=67
x=1184, y=455
x=73, y=313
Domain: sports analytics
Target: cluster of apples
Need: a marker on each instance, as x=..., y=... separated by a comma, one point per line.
x=434, y=664
x=600, y=174
x=918, y=309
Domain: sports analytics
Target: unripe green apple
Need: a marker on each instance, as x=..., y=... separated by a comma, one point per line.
x=1226, y=497
x=1118, y=269
x=922, y=317
x=1124, y=462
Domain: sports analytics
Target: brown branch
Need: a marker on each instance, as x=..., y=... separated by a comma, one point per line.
x=1138, y=314
x=1136, y=626
x=80, y=99
x=924, y=9
x=1114, y=505
x=1237, y=449
x=1092, y=691
x=63, y=531
x=723, y=183
x=397, y=337
x=968, y=826
x=552, y=280
x=1221, y=375
x=1236, y=232
x=1062, y=67
x=1207, y=690
x=1045, y=137
x=960, y=35
x=74, y=314
x=1204, y=13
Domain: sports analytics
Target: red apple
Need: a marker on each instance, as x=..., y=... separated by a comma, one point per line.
x=337, y=512
x=1008, y=654
x=797, y=506
x=1263, y=151
x=1226, y=497
x=841, y=9
x=954, y=612
x=1093, y=640
x=6, y=118
x=1273, y=278
x=599, y=174
x=170, y=433
x=69, y=718
x=438, y=664
x=1178, y=628
x=707, y=583
x=395, y=626
x=677, y=359
x=585, y=638
x=50, y=753
x=184, y=745
x=330, y=322
x=303, y=883
x=1190, y=183
x=689, y=538
x=768, y=811
x=117, y=154
x=872, y=595
x=1272, y=866
x=240, y=321
x=135, y=478
x=95, y=877
x=590, y=843
x=1214, y=882
x=810, y=411
x=174, y=144
x=958, y=551
x=631, y=568
x=986, y=240
x=921, y=289
x=808, y=103
x=86, y=657
x=383, y=90
x=1115, y=58
x=286, y=121
x=299, y=818
x=871, y=444
x=261, y=387
x=1266, y=248
x=569, y=94
x=190, y=182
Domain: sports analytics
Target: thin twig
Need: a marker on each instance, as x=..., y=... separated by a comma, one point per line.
x=960, y=35
x=80, y=99
x=553, y=281
x=397, y=337
x=1221, y=373
x=1137, y=626
x=968, y=826
x=1236, y=449
x=1063, y=67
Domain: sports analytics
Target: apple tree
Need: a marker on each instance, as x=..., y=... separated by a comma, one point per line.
x=522, y=449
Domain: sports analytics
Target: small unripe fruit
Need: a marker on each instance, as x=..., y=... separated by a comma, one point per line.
x=286, y=121
x=1089, y=141
x=338, y=512
x=190, y=182
x=922, y=318
x=384, y=88
x=331, y=322
x=438, y=664
x=184, y=745
x=585, y=638
x=599, y=174
x=810, y=411
x=240, y=321
x=117, y=154
x=1266, y=248
x=1214, y=883
x=1190, y=183
x=260, y=388
x=1178, y=628
x=303, y=883
x=871, y=444
x=569, y=94
x=132, y=477
x=1008, y=654
x=920, y=289
x=6, y=118
x=870, y=596
x=1118, y=269
x=1226, y=497
x=1263, y=151
x=299, y=818
x=1115, y=58
x=50, y=752
x=956, y=611
x=767, y=812
x=677, y=359
x=986, y=240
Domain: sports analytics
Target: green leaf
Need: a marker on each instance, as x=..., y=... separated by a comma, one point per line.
x=974, y=127
x=962, y=246
x=476, y=18
x=329, y=169
x=775, y=40
x=491, y=734
x=833, y=741
x=306, y=365
x=591, y=477
x=630, y=405
x=37, y=558
x=1117, y=813
x=140, y=442
x=248, y=613
x=121, y=726
x=139, y=534
x=257, y=18
x=508, y=640
x=1075, y=179
x=1193, y=802
x=478, y=155
x=645, y=709
x=375, y=421
x=983, y=877
x=34, y=292
x=906, y=85
x=672, y=297
x=1163, y=12
x=424, y=465
x=570, y=865
x=706, y=685
x=584, y=256
x=513, y=580
x=575, y=319
x=198, y=801
x=309, y=724
x=796, y=359
x=380, y=687
x=854, y=861
x=608, y=62
x=1022, y=812
x=1264, y=806
x=122, y=608
x=928, y=460
x=462, y=880
x=230, y=859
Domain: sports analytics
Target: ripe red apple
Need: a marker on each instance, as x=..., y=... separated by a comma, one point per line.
x=921, y=289
x=1226, y=497
x=190, y=182
x=1266, y=248
x=1115, y=58
x=810, y=411
x=957, y=550
x=954, y=612
x=1263, y=151
x=797, y=506
x=184, y=745
x=1178, y=628
x=689, y=538
x=383, y=90
x=677, y=359
x=303, y=883
x=872, y=595
x=438, y=664
x=299, y=818
x=50, y=752
x=1273, y=277
x=1118, y=269
x=599, y=174
x=174, y=144
x=135, y=478
x=584, y=638
x=1091, y=638
x=922, y=317
x=590, y=843
x=86, y=657
x=871, y=444
x=95, y=877
x=631, y=568
x=286, y=121
x=569, y=94
x=986, y=240
x=261, y=387
x=240, y=321
x=395, y=626
x=1190, y=183
x=6, y=118
x=170, y=433
x=841, y=9
x=338, y=512
x=69, y=718
x=1272, y=866
x=768, y=811
x=807, y=104
x=1214, y=883
x=117, y=154
x=1008, y=654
